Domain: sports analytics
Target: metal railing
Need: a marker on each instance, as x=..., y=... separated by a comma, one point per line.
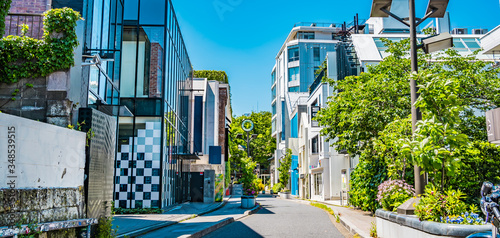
x=13, y=22
x=317, y=24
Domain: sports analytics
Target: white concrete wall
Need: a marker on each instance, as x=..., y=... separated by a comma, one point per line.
x=44, y=155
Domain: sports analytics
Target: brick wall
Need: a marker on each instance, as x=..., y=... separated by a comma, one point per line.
x=35, y=23
x=155, y=67
x=28, y=6
x=222, y=118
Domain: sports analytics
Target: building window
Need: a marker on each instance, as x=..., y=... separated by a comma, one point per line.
x=117, y=179
x=131, y=180
x=147, y=195
x=124, y=172
x=140, y=156
x=293, y=74
x=118, y=164
x=306, y=35
x=147, y=179
x=155, y=188
x=148, y=164
x=124, y=156
x=132, y=164
x=293, y=54
x=293, y=89
x=138, y=204
x=318, y=182
x=155, y=203
x=274, y=109
x=316, y=54
x=314, y=145
x=139, y=187
x=123, y=204
x=156, y=172
x=139, y=172
x=123, y=187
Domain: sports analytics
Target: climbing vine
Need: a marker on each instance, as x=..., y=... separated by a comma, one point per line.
x=25, y=57
x=4, y=10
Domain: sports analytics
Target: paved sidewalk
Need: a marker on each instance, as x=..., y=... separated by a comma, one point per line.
x=135, y=224
x=356, y=221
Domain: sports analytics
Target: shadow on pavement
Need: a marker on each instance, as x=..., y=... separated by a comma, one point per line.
x=235, y=229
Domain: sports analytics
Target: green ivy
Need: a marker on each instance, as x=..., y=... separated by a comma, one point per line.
x=220, y=76
x=25, y=57
x=4, y=10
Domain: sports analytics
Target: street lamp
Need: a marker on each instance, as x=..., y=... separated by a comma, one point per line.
x=435, y=8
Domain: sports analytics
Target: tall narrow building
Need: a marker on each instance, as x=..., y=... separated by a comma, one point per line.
x=156, y=82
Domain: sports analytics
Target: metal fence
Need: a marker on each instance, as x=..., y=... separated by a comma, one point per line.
x=13, y=23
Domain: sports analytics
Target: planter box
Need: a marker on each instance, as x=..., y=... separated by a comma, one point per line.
x=391, y=224
x=247, y=201
x=285, y=195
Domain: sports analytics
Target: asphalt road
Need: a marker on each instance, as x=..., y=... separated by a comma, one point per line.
x=281, y=218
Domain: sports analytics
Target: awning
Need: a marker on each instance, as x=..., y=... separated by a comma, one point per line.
x=188, y=156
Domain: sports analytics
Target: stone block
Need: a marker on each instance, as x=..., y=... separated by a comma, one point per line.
x=58, y=81
x=37, y=115
x=57, y=95
x=58, y=108
x=59, y=121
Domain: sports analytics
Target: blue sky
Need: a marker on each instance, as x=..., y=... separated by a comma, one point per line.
x=242, y=37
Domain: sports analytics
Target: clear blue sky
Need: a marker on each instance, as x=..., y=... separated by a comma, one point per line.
x=244, y=36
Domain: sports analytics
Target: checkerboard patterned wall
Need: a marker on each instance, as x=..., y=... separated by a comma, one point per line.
x=137, y=177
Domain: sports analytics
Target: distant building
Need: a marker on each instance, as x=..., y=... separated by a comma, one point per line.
x=211, y=117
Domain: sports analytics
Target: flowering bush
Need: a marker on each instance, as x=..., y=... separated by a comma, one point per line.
x=393, y=193
x=446, y=207
x=465, y=218
x=248, y=178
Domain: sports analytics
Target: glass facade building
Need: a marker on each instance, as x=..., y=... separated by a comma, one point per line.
x=102, y=37
x=156, y=83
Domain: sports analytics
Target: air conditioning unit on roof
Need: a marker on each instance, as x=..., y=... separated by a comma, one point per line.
x=459, y=31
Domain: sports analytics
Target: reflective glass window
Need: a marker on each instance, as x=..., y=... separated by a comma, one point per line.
x=131, y=8
x=293, y=74
x=293, y=54
x=152, y=12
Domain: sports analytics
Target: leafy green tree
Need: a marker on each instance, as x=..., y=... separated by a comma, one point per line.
x=261, y=148
x=284, y=168
x=368, y=116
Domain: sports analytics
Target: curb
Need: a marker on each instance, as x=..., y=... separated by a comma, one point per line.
x=222, y=223
x=148, y=229
x=353, y=229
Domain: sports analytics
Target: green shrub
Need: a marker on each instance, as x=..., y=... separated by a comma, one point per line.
x=138, y=210
x=445, y=207
x=393, y=193
x=277, y=187
x=220, y=76
x=25, y=57
x=368, y=174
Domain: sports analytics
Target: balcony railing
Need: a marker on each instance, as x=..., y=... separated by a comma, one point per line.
x=13, y=23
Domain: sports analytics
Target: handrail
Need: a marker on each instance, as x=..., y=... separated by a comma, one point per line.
x=13, y=22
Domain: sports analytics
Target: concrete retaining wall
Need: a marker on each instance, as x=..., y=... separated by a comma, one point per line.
x=393, y=225
x=41, y=171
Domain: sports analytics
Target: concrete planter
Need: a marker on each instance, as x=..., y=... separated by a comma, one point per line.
x=391, y=224
x=247, y=201
x=284, y=195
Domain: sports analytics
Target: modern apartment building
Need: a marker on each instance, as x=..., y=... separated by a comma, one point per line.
x=297, y=61
x=152, y=168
